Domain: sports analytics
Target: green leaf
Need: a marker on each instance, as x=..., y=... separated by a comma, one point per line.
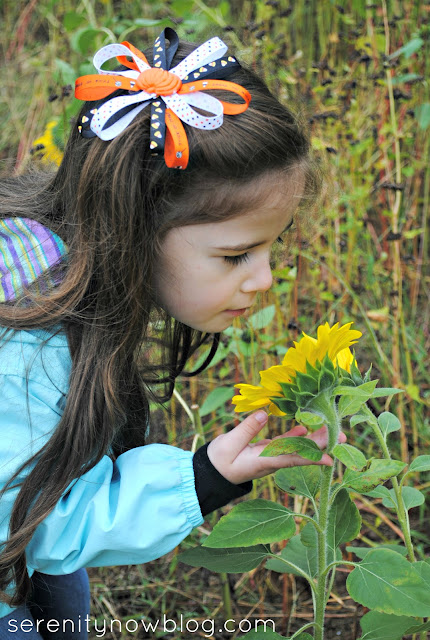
x=84, y=40
x=262, y=318
x=359, y=417
x=418, y=628
x=302, y=446
x=73, y=20
x=350, y=456
x=387, y=582
x=388, y=423
x=344, y=521
x=382, y=626
x=385, y=391
x=364, y=391
x=422, y=113
x=250, y=523
x=147, y=22
x=361, y=552
x=238, y=560
x=300, y=481
x=408, y=49
x=308, y=419
x=379, y=471
x=64, y=72
x=378, y=492
x=411, y=498
x=217, y=398
x=352, y=401
x=343, y=525
x=305, y=558
x=422, y=463
x=302, y=556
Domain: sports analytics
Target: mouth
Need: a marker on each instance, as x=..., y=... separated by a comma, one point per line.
x=237, y=312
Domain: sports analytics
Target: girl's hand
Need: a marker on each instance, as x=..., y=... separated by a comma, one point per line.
x=238, y=461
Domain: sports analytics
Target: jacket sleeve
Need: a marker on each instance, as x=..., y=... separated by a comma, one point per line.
x=130, y=511
x=133, y=510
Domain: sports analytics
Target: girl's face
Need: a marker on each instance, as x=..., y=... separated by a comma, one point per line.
x=210, y=273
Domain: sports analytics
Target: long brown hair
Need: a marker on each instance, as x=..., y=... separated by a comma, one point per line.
x=112, y=203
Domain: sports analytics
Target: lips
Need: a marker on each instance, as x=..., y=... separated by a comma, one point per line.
x=237, y=312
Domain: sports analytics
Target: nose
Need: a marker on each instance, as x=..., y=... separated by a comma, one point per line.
x=258, y=278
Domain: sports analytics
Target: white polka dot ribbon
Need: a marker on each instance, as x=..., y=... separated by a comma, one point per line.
x=181, y=105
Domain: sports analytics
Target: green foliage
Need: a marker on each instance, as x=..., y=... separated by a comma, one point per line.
x=382, y=626
x=234, y=560
x=350, y=456
x=250, y=523
x=300, y=481
x=302, y=446
x=386, y=582
x=378, y=471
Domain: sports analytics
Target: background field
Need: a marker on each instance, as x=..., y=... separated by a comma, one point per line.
x=357, y=73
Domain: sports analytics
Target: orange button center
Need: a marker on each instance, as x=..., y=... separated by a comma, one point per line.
x=158, y=81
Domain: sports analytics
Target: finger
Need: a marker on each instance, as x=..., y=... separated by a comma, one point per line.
x=298, y=430
x=342, y=437
x=320, y=437
x=239, y=437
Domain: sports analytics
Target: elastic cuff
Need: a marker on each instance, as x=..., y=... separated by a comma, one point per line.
x=191, y=502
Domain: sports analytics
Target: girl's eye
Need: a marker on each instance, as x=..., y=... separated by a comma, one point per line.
x=244, y=257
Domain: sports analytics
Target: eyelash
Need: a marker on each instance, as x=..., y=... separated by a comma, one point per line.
x=244, y=257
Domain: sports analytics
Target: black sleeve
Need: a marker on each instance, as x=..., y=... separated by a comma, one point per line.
x=213, y=490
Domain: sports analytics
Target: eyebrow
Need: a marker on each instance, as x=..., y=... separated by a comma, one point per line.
x=245, y=247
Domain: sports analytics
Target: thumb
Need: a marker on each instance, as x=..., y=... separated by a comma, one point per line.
x=240, y=436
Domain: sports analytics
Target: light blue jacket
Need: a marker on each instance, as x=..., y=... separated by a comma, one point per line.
x=130, y=511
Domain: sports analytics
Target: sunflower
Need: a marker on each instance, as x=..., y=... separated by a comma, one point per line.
x=46, y=145
x=331, y=341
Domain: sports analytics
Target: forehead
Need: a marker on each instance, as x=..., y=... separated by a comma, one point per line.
x=266, y=201
x=272, y=190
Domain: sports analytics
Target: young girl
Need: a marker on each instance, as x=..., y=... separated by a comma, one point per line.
x=135, y=231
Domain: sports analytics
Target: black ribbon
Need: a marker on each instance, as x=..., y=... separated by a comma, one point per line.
x=162, y=59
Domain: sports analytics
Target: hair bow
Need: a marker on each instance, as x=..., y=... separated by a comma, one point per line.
x=172, y=93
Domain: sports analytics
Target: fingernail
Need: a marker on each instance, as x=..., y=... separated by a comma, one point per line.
x=261, y=416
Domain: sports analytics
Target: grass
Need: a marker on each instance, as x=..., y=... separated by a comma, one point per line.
x=355, y=73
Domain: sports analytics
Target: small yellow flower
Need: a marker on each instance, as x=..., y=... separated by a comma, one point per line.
x=332, y=341
x=50, y=152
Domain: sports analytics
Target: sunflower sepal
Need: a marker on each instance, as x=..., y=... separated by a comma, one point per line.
x=326, y=380
x=367, y=374
x=306, y=383
x=288, y=391
x=355, y=373
x=287, y=406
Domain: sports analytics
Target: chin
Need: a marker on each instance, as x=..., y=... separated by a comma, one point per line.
x=216, y=326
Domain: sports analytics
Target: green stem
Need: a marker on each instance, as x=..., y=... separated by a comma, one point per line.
x=402, y=514
x=323, y=512
x=329, y=410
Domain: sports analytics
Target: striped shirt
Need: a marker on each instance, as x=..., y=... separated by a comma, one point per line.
x=27, y=250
